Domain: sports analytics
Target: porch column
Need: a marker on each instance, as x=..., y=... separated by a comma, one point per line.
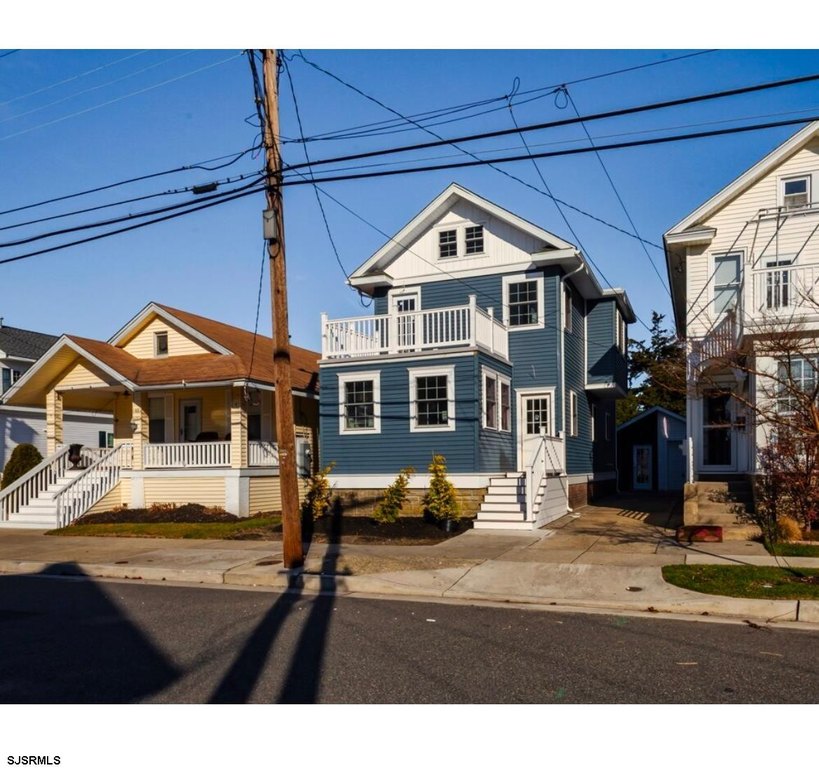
x=54, y=421
x=238, y=429
x=139, y=418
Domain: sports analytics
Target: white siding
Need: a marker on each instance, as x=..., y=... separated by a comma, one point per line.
x=503, y=245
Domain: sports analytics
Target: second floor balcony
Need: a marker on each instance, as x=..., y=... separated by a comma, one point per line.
x=785, y=293
x=425, y=330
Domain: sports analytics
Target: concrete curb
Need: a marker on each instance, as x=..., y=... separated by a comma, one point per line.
x=477, y=583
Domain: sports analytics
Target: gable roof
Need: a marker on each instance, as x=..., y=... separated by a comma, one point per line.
x=656, y=409
x=242, y=359
x=745, y=180
x=28, y=345
x=434, y=210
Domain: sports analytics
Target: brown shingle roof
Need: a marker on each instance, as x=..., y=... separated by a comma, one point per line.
x=208, y=366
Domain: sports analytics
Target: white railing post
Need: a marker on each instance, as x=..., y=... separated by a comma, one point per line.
x=491, y=312
x=324, y=334
x=473, y=305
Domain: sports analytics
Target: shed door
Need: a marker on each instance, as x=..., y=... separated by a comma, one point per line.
x=642, y=467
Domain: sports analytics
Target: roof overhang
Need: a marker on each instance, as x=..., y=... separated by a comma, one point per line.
x=37, y=379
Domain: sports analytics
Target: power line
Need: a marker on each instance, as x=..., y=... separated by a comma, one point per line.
x=340, y=133
x=467, y=152
x=551, y=124
x=104, y=235
x=564, y=153
x=95, y=87
x=119, y=98
x=619, y=198
x=201, y=165
x=8, y=53
x=73, y=77
x=129, y=217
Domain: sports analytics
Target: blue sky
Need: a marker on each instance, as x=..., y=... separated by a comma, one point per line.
x=66, y=128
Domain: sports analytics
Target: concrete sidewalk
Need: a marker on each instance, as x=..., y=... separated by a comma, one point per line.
x=570, y=564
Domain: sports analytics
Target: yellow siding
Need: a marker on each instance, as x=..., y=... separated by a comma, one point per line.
x=142, y=345
x=265, y=494
x=81, y=375
x=209, y=491
x=111, y=499
x=756, y=240
x=123, y=413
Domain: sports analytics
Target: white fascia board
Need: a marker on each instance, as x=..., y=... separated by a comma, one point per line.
x=58, y=345
x=653, y=409
x=698, y=236
x=606, y=387
x=153, y=308
x=443, y=202
x=620, y=295
x=741, y=183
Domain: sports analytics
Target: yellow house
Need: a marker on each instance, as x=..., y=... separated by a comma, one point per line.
x=193, y=404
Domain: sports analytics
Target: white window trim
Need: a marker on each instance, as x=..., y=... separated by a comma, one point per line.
x=417, y=373
x=477, y=254
x=593, y=422
x=541, y=316
x=499, y=379
x=795, y=177
x=157, y=334
x=343, y=379
x=460, y=227
x=574, y=414
x=393, y=294
x=740, y=253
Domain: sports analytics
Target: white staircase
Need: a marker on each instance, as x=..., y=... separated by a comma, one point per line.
x=54, y=493
x=505, y=505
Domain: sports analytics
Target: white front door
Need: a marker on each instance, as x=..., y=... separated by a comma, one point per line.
x=190, y=420
x=535, y=419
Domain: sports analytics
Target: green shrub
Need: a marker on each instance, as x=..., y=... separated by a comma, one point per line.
x=317, y=501
x=23, y=458
x=389, y=508
x=441, y=501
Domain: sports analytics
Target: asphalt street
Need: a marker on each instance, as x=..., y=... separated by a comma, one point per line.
x=80, y=640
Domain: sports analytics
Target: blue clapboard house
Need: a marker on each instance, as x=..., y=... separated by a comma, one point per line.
x=491, y=343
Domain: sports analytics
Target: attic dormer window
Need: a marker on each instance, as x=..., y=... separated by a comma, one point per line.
x=448, y=243
x=161, y=344
x=796, y=192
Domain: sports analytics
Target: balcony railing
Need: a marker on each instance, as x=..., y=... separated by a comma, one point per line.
x=425, y=330
x=721, y=342
x=785, y=291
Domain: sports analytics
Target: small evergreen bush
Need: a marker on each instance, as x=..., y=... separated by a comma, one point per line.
x=389, y=508
x=23, y=458
x=440, y=501
x=319, y=493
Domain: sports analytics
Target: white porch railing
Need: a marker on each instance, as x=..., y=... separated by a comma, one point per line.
x=170, y=455
x=262, y=454
x=31, y=484
x=548, y=460
x=428, y=329
x=721, y=342
x=780, y=292
x=85, y=490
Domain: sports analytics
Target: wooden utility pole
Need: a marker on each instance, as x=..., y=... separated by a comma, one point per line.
x=285, y=428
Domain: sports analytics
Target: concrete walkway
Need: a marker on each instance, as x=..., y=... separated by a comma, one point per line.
x=602, y=557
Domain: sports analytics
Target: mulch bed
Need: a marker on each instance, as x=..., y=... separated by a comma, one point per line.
x=328, y=529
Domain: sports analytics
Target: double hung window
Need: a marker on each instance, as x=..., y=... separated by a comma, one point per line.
x=359, y=402
x=726, y=282
x=432, y=399
x=523, y=302
x=497, y=396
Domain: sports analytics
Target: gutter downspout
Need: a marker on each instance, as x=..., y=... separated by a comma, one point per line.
x=561, y=358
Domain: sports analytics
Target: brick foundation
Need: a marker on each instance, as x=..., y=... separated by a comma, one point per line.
x=362, y=501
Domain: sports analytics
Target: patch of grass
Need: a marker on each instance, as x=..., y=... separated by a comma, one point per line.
x=217, y=530
x=795, y=549
x=746, y=581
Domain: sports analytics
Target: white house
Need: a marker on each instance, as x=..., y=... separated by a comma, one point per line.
x=743, y=267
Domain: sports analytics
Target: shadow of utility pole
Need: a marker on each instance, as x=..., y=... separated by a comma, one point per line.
x=303, y=678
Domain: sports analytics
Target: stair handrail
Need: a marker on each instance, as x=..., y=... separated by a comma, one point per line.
x=37, y=479
x=535, y=475
x=87, y=488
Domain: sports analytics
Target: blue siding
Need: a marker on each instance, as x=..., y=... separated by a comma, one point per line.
x=495, y=451
x=606, y=362
x=579, y=446
x=396, y=447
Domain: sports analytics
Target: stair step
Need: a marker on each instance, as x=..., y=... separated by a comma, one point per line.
x=498, y=482
x=505, y=498
x=503, y=525
x=494, y=514
x=494, y=506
